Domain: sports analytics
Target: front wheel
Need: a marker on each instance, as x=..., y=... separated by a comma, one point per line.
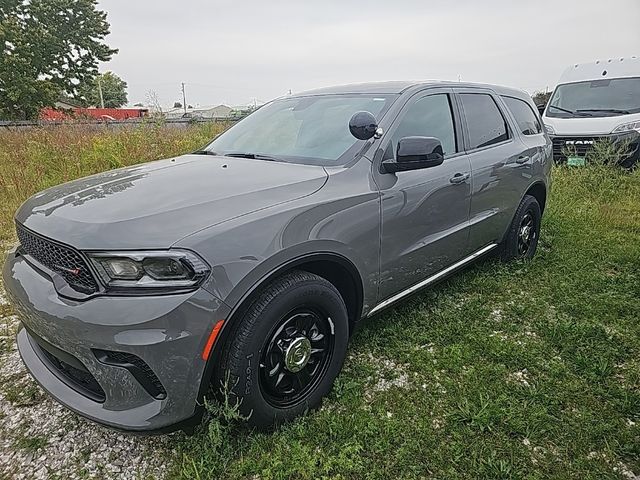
x=285, y=353
x=521, y=241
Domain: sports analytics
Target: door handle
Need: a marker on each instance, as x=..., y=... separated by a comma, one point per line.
x=459, y=178
x=523, y=159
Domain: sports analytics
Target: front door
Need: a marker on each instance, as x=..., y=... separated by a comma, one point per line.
x=425, y=213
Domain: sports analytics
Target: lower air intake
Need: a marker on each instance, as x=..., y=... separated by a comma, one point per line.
x=137, y=367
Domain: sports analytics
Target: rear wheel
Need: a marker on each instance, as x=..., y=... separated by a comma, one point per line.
x=286, y=351
x=521, y=240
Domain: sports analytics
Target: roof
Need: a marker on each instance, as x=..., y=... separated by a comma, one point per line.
x=398, y=87
x=372, y=87
x=204, y=112
x=199, y=108
x=601, y=69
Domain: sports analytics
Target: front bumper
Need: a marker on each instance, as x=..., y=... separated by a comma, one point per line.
x=168, y=333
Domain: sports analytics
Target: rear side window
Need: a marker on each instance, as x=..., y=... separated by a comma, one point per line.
x=428, y=117
x=485, y=123
x=527, y=120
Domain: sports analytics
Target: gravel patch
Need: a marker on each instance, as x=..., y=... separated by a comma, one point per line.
x=626, y=472
x=40, y=439
x=389, y=374
x=521, y=377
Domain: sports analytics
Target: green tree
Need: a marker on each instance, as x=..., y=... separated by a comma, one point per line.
x=47, y=49
x=114, y=91
x=541, y=98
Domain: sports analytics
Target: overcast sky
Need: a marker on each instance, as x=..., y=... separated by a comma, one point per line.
x=232, y=51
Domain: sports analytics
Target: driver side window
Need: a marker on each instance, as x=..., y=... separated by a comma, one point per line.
x=429, y=116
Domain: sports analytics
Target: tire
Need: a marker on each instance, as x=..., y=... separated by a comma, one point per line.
x=630, y=163
x=514, y=243
x=270, y=337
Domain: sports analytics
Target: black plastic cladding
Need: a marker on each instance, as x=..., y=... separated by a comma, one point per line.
x=137, y=367
x=84, y=382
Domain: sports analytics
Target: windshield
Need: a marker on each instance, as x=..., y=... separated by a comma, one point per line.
x=596, y=98
x=312, y=130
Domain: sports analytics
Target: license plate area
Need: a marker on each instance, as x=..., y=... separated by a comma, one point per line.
x=576, y=161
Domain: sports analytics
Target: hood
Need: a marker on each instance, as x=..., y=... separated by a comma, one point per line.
x=156, y=204
x=588, y=125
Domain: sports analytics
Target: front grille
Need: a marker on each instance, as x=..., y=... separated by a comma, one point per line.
x=578, y=146
x=62, y=259
x=137, y=367
x=81, y=380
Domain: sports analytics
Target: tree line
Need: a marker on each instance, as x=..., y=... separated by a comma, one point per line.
x=50, y=51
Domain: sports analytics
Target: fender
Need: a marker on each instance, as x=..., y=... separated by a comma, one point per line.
x=536, y=184
x=265, y=276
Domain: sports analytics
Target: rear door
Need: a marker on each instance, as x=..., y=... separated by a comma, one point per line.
x=528, y=125
x=500, y=167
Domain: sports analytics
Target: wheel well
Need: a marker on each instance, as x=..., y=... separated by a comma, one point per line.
x=332, y=267
x=539, y=192
x=345, y=279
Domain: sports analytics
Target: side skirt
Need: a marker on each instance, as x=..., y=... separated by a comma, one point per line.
x=431, y=279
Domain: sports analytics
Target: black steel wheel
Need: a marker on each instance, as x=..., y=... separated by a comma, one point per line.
x=295, y=356
x=527, y=233
x=282, y=357
x=521, y=241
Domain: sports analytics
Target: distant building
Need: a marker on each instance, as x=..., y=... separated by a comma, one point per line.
x=66, y=111
x=219, y=111
x=66, y=104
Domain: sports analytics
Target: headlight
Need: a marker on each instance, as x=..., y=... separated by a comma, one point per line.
x=164, y=270
x=549, y=129
x=627, y=127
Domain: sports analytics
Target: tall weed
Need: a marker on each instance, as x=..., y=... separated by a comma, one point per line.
x=602, y=190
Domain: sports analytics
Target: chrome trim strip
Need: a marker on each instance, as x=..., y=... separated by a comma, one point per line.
x=431, y=279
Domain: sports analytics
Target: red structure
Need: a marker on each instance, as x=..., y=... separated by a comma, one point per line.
x=104, y=114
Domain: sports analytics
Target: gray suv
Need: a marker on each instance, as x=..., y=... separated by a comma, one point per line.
x=247, y=264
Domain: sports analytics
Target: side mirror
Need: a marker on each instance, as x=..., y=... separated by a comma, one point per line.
x=415, y=153
x=541, y=108
x=363, y=125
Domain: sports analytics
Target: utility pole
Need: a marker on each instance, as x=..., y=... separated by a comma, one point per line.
x=184, y=99
x=100, y=91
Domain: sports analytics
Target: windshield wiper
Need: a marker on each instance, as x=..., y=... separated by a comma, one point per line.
x=256, y=156
x=611, y=110
x=577, y=113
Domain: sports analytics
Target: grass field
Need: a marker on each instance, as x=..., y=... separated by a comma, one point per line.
x=525, y=370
